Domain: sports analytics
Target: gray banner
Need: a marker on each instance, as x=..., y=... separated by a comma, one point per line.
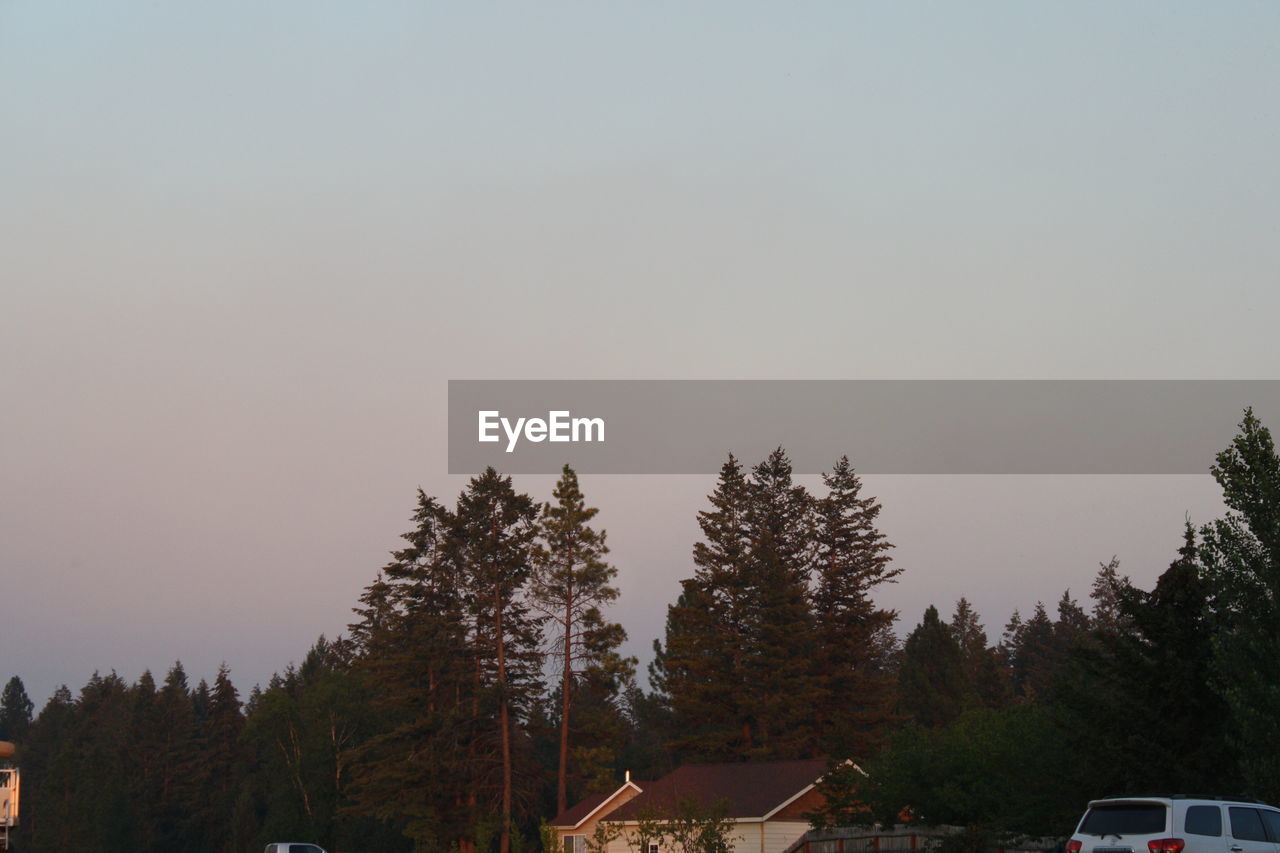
x=884, y=426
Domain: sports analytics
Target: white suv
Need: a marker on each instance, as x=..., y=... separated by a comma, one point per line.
x=1177, y=824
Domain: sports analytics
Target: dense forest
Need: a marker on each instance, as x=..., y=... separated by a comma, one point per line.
x=480, y=688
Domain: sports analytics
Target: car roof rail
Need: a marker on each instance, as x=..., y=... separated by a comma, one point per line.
x=1224, y=798
x=1221, y=798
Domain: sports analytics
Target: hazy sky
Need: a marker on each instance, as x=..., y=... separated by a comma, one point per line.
x=243, y=246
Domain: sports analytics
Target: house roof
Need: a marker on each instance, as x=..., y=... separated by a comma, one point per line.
x=573, y=815
x=752, y=790
x=576, y=814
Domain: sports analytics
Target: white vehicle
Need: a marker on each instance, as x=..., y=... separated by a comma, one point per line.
x=291, y=847
x=1177, y=824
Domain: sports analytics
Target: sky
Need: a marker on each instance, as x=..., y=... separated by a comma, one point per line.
x=244, y=246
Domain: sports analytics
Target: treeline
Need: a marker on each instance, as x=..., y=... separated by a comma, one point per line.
x=480, y=688
x=1172, y=689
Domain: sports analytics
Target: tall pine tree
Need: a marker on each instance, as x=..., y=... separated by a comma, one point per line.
x=851, y=560
x=15, y=711
x=1241, y=557
x=414, y=658
x=931, y=682
x=571, y=585
x=491, y=542
x=778, y=673
x=698, y=667
x=986, y=676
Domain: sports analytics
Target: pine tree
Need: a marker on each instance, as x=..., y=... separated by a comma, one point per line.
x=741, y=644
x=986, y=677
x=145, y=758
x=104, y=815
x=698, y=669
x=695, y=677
x=761, y=658
x=1035, y=654
x=970, y=635
x=1136, y=706
x=1072, y=625
x=414, y=657
x=851, y=560
x=179, y=765
x=222, y=762
x=1241, y=559
x=48, y=810
x=778, y=671
x=571, y=583
x=303, y=731
x=931, y=683
x=1012, y=636
x=1108, y=587
x=15, y=711
x=492, y=542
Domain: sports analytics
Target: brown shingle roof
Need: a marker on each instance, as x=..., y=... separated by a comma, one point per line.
x=573, y=815
x=752, y=789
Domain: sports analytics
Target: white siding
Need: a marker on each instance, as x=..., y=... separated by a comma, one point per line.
x=779, y=834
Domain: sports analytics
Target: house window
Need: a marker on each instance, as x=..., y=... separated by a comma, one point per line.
x=653, y=847
x=575, y=844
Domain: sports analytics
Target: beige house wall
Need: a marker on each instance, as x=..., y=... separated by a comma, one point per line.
x=588, y=827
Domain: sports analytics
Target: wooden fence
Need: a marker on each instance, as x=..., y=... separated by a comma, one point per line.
x=901, y=839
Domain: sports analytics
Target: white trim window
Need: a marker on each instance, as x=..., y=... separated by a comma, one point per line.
x=575, y=844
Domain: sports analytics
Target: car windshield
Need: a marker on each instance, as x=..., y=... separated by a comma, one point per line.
x=1126, y=819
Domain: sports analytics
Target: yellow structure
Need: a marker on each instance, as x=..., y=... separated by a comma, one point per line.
x=9, y=785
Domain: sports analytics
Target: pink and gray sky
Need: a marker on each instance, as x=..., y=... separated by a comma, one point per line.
x=243, y=246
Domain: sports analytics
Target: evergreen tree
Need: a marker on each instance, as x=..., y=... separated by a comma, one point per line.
x=178, y=768
x=93, y=766
x=699, y=667
x=931, y=682
x=851, y=560
x=15, y=711
x=694, y=675
x=303, y=731
x=47, y=793
x=414, y=658
x=222, y=763
x=986, y=677
x=1034, y=653
x=774, y=648
x=971, y=637
x=1072, y=625
x=778, y=626
x=1011, y=637
x=738, y=665
x=1241, y=558
x=571, y=584
x=650, y=730
x=1136, y=707
x=1108, y=587
x=145, y=758
x=491, y=542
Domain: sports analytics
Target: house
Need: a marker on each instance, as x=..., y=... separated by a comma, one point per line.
x=577, y=824
x=766, y=802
